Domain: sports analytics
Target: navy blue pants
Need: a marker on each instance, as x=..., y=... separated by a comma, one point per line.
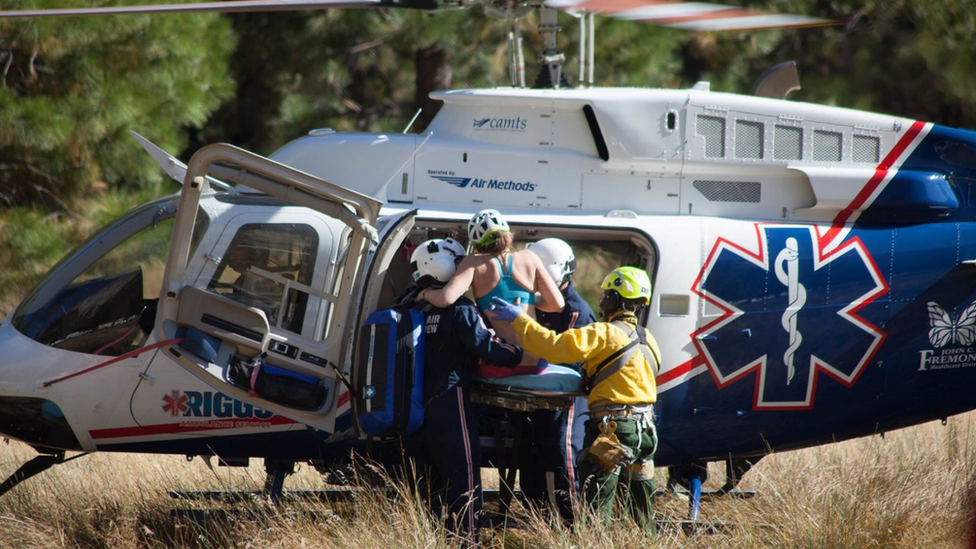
x=449, y=446
x=551, y=442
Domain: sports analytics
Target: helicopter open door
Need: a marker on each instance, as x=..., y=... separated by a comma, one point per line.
x=268, y=335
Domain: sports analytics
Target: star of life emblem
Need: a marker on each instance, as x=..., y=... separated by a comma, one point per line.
x=174, y=403
x=788, y=311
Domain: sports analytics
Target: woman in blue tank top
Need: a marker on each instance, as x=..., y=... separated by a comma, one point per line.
x=496, y=270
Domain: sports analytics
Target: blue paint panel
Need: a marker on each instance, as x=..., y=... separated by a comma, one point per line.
x=939, y=173
x=909, y=190
x=909, y=380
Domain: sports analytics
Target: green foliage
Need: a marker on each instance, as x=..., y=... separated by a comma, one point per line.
x=363, y=70
x=71, y=90
x=901, y=57
x=352, y=70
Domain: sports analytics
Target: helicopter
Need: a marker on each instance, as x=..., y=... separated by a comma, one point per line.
x=812, y=266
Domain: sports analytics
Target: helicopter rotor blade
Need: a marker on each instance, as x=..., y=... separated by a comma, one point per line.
x=232, y=6
x=692, y=16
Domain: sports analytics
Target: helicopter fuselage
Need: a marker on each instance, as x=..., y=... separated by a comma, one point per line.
x=812, y=270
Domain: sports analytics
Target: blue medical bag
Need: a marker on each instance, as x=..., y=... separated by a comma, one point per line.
x=390, y=373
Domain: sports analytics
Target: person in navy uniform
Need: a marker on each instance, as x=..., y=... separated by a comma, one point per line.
x=551, y=439
x=455, y=338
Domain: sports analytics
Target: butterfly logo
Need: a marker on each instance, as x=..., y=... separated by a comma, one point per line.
x=944, y=331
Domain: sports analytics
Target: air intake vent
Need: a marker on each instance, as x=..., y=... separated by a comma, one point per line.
x=787, y=143
x=712, y=128
x=729, y=191
x=826, y=146
x=748, y=139
x=867, y=148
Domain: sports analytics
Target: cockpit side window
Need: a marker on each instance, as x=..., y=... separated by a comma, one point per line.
x=261, y=265
x=101, y=299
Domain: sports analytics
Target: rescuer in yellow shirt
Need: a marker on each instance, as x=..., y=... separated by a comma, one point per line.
x=620, y=358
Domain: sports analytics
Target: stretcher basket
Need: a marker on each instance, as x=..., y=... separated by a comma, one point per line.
x=554, y=390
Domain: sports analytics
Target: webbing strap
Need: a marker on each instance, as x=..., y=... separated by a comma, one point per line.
x=617, y=360
x=130, y=354
x=647, y=350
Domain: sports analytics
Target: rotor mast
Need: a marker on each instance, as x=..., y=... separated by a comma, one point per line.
x=551, y=59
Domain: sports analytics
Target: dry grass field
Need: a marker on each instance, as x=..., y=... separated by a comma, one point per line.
x=907, y=490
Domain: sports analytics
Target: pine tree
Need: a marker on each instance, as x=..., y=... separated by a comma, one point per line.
x=72, y=88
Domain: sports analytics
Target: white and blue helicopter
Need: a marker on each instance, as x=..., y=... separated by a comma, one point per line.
x=812, y=266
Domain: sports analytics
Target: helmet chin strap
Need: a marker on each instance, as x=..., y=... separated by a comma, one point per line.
x=611, y=303
x=428, y=281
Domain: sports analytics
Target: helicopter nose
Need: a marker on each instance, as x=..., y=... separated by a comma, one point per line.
x=36, y=421
x=24, y=413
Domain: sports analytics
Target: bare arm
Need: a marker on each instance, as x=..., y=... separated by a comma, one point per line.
x=454, y=289
x=552, y=298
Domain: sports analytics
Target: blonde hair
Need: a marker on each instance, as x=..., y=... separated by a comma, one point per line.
x=499, y=245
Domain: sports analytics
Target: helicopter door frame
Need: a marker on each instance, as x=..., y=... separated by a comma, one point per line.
x=395, y=232
x=217, y=334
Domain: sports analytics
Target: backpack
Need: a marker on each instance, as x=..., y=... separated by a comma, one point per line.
x=390, y=373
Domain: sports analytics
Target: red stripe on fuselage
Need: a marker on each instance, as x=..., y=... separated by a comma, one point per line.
x=680, y=370
x=879, y=175
x=187, y=426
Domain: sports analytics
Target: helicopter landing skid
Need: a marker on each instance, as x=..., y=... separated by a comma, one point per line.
x=694, y=527
x=698, y=527
x=35, y=467
x=693, y=475
x=327, y=495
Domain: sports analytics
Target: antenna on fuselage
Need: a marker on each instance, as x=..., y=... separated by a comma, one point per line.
x=512, y=13
x=591, y=36
x=516, y=62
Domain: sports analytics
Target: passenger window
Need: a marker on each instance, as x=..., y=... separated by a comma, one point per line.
x=270, y=267
x=101, y=299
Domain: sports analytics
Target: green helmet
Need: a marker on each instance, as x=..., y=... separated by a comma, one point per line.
x=629, y=282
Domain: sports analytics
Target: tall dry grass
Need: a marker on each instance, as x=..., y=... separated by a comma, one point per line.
x=907, y=490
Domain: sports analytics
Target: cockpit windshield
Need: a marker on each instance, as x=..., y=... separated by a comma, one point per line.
x=101, y=299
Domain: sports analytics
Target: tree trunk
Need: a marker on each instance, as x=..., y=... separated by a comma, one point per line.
x=433, y=73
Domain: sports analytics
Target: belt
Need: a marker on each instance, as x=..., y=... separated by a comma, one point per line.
x=602, y=409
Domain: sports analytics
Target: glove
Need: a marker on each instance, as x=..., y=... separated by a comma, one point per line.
x=607, y=450
x=504, y=310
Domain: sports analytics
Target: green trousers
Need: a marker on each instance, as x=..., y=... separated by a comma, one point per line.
x=636, y=481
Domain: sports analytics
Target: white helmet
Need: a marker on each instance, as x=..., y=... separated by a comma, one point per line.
x=557, y=256
x=484, y=224
x=436, y=259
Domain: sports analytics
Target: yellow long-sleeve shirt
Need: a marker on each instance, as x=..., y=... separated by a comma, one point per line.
x=633, y=384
